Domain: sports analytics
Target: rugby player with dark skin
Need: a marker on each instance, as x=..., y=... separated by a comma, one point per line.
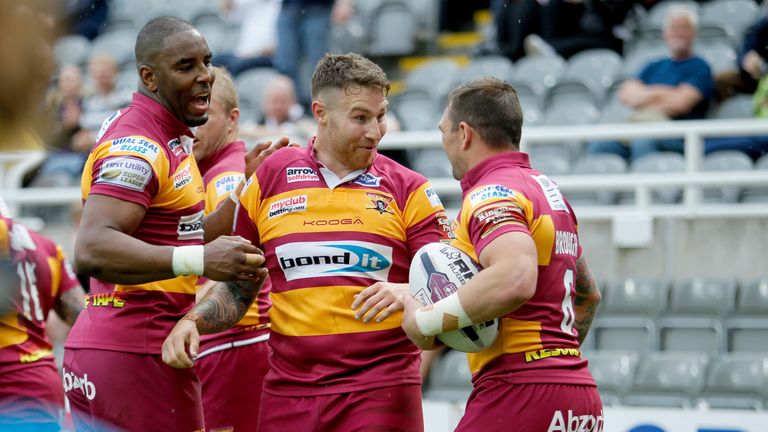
x=175, y=70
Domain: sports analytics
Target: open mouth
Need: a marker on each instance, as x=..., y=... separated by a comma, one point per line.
x=201, y=103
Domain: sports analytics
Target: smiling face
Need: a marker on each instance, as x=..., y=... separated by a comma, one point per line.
x=351, y=122
x=181, y=77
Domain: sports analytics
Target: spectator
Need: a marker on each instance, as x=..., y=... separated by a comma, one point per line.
x=282, y=113
x=564, y=26
x=750, y=63
x=86, y=17
x=303, y=27
x=65, y=106
x=677, y=87
x=258, y=34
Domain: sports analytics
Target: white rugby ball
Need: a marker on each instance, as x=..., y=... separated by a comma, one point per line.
x=437, y=271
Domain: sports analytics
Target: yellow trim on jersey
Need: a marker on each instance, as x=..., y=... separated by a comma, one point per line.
x=418, y=207
x=352, y=210
x=543, y=233
x=5, y=240
x=214, y=197
x=11, y=332
x=180, y=285
x=296, y=312
x=515, y=336
x=168, y=196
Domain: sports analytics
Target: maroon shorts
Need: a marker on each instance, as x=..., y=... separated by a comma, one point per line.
x=231, y=380
x=31, y=395
x=110, y=390
x=499, y=406
x=395, y=408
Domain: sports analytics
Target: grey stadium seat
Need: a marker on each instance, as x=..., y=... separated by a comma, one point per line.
x=613, y=372
x=250, y=87
x=668, y=379
x=118, y=44
x=71, y=49
x=637, y=334
x=720, y=57
x=636, y=296
x=691, y=334
x=655, y=18
x=539, y=72
x=431, y=163
x=661, y=162
x=597, y=69
x=725, y=160
x=736, y=107
x=572, y=112
x=753, y=299
x=713, y=297
x=551, y=163
x=735, y=14
x=417, y=110
x=747, y=334
x=641, y=56
x=450, y=378
x=597, y=164
x=392, y=15
x=493, y=65
x=434, y=76
x=737, y=381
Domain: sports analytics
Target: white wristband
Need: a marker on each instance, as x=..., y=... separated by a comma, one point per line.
x=235, y=197
x=445, y=315
x=188, y=260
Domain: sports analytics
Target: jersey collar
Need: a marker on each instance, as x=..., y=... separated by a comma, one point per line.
x=506, y=159
x=174, y=126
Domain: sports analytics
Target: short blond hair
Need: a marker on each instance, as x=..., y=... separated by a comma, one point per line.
x=339, y=71
x=224, y=89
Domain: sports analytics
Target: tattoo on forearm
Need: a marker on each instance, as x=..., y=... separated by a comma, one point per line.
x=585, y=323
x=223, y=306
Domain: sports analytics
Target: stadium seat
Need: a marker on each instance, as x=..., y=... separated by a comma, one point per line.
x=757, y=194
x=492, y=65
x=350, y=36
x=434, y=76
x=390, y=15
x=571, y=112
x=597, y=164
x=635, y=61
x=725, y=160
x=450, y=379
x=714, y=297
x=655, y=18
x=431, y=163
x=668, y=379
x=551, y=163
x=720, y=57
x=624, y=333
x=736, y=107
x=715, y=33
x=573, y=91
x=597, y=69
x=613, y=372
x=737, y=381
x=661, y=162
x=539, y=72
x=614, y=111
x=636, y=296
x=691, y=334
x=118, y=44
x=736, y=15
x=753, y=299
x=250, y=86
x=747, y=334
x=417, y=110
x=71, y=49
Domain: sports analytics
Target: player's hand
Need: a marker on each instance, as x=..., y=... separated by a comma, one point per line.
x=260, y=151
x=183, y=335
x=233, y=258
x=410, y=328
x=379, y=301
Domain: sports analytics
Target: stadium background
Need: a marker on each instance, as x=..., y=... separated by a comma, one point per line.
x=678, y=244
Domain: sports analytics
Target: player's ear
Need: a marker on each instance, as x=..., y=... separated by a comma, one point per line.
x=319, y=111
x=466, y=133
x=148, y=77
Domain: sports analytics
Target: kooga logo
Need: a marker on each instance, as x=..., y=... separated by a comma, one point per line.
x=334, y=258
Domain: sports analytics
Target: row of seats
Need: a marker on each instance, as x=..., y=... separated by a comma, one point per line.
x=702, y=315
x=656, y=379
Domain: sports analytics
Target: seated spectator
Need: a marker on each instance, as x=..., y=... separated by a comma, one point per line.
x=564, y=26
x=750, y=63
x=678, y=87
x=100, y=101
x=283, y=115
x=258, y=34
x=64, y=104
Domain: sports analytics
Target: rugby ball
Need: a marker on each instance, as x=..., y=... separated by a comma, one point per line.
x=437, y=271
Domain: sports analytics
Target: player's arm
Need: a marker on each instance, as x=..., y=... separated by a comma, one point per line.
x=69, y=305
x=219, y=222
x=506, y=282
x=586, y=300
x=224, y=305
x=105, y=249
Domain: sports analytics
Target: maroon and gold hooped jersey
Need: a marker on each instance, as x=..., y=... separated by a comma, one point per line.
x=537, y=343
x=143, y=156
x=325, y=240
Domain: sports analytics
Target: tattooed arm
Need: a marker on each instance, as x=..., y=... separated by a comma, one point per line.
x=587, y=298
x=224, y=305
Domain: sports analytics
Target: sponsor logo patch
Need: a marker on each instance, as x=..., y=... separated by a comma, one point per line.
x=367, y=179
x=191, y=226
x=552, y=193
x=107, y=123
x=287, y=205
x=490, y=192
x=432, y=197
x=182, y=177
x=227, y=184
x=175, y=146
x=135, y=144
x=334, y=258
x=300, y=174
x=380, y=202
x=126, y=172
x=74, y=382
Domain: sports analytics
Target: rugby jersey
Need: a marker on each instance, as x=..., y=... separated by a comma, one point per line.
x=143, y=155
x=324, y=244
x=43, y=276
x=537, y=342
